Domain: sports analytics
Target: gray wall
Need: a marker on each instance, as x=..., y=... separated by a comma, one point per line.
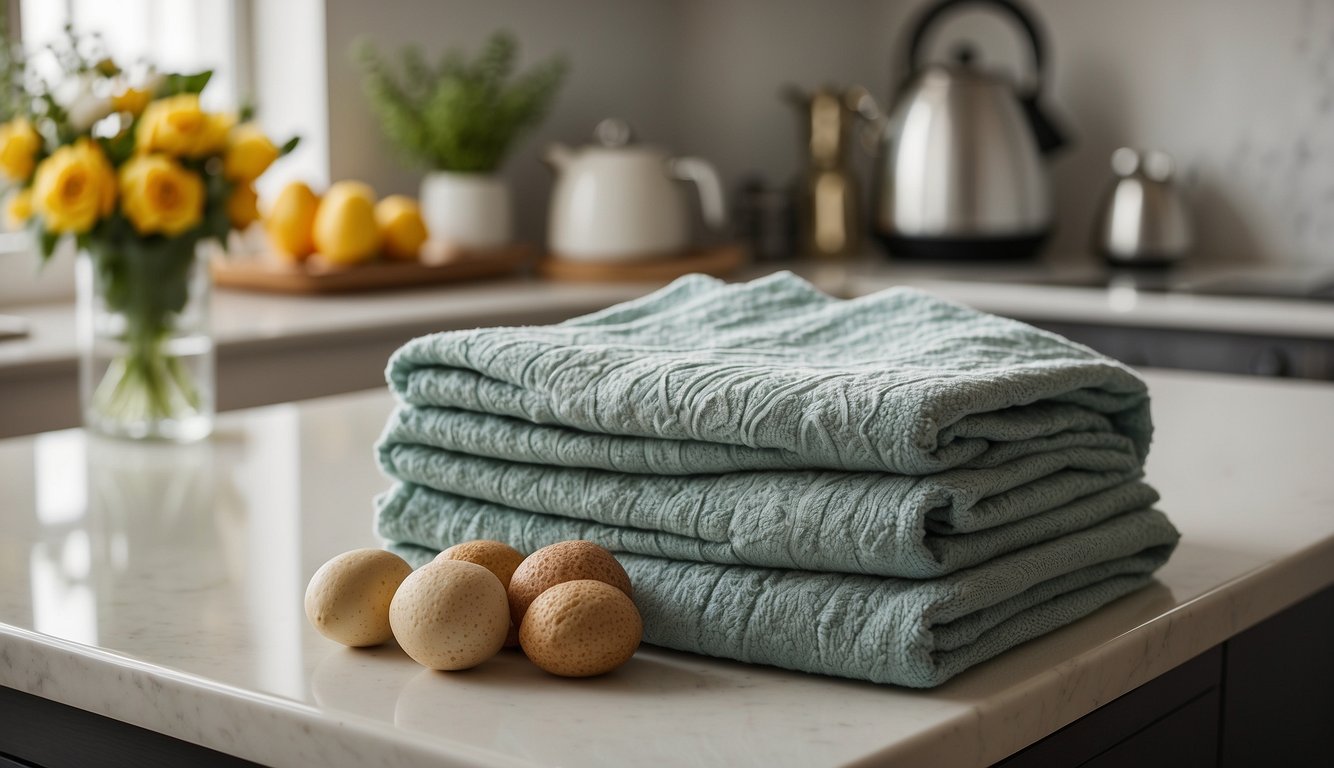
x=1241, y=92
x=621, y=54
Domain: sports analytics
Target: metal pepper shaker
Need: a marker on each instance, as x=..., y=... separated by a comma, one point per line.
x=1143, y=221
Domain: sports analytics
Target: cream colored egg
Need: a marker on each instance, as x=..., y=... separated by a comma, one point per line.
x=581, y=628
x=450, y=614
x=348, y=598
x=495, y=556
x=561, y=562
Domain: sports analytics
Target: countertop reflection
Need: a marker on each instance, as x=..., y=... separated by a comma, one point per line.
x=162, y=585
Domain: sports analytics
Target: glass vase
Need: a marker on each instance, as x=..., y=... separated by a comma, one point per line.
x=146, y=353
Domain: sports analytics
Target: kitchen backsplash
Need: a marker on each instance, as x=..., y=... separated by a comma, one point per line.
x=1240, y=92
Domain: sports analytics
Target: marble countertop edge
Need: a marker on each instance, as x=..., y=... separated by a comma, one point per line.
x=1042, y=704
x=265, y=729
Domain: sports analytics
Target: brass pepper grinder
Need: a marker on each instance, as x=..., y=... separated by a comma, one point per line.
x=829, y=214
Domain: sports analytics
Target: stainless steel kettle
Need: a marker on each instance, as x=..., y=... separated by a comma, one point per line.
x=959, y=172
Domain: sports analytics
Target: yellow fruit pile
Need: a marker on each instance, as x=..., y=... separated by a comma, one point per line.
x=346, y=226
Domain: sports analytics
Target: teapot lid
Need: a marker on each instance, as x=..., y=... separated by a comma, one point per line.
x=966, y=64
x=614, y=138
x=613, y=132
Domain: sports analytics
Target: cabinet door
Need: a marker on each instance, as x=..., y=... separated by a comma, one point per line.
x=1278, y=707
x=1186, y=738
x=1171, y=720
x=47, y=734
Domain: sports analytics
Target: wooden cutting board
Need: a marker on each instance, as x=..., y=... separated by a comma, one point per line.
x=316, y=277
x=717, y=260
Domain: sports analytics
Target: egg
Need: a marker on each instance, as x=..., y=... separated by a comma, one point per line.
x=581, y=628
x=559, y=563
x=450, y=615
x=348, y=598
x=495, y=556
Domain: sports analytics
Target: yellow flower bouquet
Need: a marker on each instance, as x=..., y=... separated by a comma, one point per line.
x=139, y=177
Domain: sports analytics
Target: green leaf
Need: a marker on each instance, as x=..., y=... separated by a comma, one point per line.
x=47, y=241
x=175, y=84
x=120, y=147
x=288, y=146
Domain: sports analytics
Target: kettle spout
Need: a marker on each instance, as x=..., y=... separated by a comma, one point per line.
x=558, y=156
x=1046, y=133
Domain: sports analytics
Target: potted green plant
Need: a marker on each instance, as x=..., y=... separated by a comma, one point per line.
x=458, y=120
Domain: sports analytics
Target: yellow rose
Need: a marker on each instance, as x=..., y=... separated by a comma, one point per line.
x=132, y=100
x=216, y=130
x=159, y=196
x=249, y=154
x=73, y=188
x=18, y=208
x=242, y=206
x=178, y=127
x=19, y=143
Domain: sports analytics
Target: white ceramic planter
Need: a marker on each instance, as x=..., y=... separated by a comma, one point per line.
x=467, y=210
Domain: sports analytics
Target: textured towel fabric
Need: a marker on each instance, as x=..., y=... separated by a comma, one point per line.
x=892, y=488
x=853, y=522
x=774, y=373
x=900, y=631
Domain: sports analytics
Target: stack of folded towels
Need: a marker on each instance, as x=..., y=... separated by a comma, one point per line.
x=891, y=488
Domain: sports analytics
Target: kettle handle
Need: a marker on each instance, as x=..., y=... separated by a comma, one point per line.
x=1025, y=22
x=710, y=186
x=1048, y=135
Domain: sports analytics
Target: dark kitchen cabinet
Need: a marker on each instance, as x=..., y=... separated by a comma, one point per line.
x=1265, y=697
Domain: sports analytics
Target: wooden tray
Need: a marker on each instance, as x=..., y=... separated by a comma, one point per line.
x=317, y=278
x=717, y=260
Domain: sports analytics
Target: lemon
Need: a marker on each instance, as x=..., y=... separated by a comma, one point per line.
x=401, y=227
x=345, y=231
x=291, y=221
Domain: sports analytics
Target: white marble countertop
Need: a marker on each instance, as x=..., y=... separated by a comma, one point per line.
x=247, y=319
x=1122, y=303
x=1024, y=291
x=163, y=586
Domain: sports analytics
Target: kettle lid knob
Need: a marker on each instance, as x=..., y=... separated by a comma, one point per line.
x=613, y=132
x=965, y=54
x=1158, y=166
x=1125, y=162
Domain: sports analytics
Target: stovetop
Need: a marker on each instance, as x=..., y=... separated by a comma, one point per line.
x=1298, y=282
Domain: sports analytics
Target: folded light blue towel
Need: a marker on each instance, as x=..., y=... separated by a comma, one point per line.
x=712, y=377
x=900, y=631
x=770, y=463
x=853, y=522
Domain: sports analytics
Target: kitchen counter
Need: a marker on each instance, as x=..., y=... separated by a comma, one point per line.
x=162, y=587
x=274, y=348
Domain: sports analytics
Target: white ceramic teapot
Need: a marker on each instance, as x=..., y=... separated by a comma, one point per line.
x=616, y=201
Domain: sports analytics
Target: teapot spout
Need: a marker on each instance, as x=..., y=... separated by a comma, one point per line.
x=558, y=156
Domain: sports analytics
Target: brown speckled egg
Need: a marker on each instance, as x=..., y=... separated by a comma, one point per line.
x=348, y=598
x=559, y=563
x=581, y=628
x=450, y=614
x=495, y=556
